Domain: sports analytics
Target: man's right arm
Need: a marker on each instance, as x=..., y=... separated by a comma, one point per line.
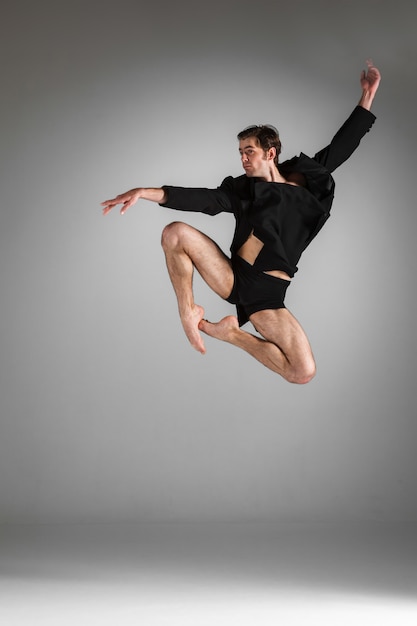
x=198, y=199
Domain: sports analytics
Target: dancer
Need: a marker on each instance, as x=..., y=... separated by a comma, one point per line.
x=279, y=209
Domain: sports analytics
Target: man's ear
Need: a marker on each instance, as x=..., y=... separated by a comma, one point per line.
x=271, y=153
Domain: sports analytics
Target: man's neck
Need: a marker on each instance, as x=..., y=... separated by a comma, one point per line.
x=273, y=175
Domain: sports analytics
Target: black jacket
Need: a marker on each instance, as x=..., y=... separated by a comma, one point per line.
x=285, y=217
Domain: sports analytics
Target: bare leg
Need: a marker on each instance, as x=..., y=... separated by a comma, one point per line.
x=185, y=248
x=285, y=348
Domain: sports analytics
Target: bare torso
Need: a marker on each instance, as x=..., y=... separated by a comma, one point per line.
x=250, y=250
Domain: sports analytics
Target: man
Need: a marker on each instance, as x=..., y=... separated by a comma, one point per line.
x=279, y=209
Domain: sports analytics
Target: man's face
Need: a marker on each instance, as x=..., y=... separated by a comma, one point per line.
x=255, y=161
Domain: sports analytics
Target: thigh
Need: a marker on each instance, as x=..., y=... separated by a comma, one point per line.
x=279, y=326
x=208, y=258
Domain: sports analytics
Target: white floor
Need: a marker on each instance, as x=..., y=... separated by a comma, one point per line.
x=208, y=575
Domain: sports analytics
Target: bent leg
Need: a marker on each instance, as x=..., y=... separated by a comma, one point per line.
x=284, y=348
x=186, y=247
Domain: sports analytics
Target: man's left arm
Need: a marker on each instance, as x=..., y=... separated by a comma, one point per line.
x=348, y=137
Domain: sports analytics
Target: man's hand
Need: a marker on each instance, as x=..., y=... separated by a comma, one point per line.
x=369, y=82
x=129, y=198
x=370, y=79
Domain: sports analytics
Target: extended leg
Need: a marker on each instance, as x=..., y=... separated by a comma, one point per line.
x=284, y=348
x=185, y=248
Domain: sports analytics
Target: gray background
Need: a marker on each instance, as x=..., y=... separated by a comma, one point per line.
x=107, y=414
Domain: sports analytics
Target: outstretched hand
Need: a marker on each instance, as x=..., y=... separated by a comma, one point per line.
x=371, y=78
x=127, y=199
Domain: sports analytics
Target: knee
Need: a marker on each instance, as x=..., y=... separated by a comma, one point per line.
x=172, y=235
x=303, y=374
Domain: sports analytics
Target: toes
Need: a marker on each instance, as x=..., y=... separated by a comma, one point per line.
x=203, y=324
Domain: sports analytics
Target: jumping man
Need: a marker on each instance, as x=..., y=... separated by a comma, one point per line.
x=279, y=209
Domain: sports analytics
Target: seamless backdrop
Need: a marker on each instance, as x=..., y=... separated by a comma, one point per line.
x=106, y=413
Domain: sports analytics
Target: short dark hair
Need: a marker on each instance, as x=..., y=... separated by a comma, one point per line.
x=266, y=135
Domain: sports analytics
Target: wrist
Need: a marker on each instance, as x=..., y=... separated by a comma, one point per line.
x=154, y=194
x=366, y=100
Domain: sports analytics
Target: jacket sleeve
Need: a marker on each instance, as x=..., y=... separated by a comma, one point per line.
x=346, y=140
x=200, y=199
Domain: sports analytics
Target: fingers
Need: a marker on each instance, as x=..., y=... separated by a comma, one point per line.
x=108, y=205
x=126, y=206
x=126, y=199
x=117, y=200
x=113, y=200
x=371, y=77
x=109, y=208
x=372, y=70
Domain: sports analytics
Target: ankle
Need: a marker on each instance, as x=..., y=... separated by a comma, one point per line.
x=186, y=309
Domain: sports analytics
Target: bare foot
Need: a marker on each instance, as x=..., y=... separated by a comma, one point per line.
x=222, y=330
x=190, y=322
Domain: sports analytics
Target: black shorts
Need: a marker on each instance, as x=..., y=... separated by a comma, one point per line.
x=253, y=290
